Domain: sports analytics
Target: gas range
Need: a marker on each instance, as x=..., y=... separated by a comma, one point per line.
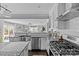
x=63, y=48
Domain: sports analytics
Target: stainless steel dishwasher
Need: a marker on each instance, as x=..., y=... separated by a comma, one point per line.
x=36, y=43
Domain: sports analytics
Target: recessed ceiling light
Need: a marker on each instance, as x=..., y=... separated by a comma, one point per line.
x=39, y=6
x=4, y=11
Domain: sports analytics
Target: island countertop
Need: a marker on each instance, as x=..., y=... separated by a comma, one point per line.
x=12, y=48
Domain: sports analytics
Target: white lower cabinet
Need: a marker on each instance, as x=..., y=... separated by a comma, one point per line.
x=29, y=47
x=47, y=48
x=24, y=52
x=45, y=44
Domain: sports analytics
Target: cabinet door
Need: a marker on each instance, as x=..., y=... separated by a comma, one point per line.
x=29, y=47
x=47, y=47
x=68, y=6
x=61, y=8
x=43, y=43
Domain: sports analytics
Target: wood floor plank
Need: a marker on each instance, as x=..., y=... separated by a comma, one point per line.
x=38, y=53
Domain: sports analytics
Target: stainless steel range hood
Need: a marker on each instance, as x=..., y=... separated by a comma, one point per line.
x=70, y=14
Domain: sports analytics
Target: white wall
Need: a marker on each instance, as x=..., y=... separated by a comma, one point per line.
x=27, y=21
x=18, y=23
x=74, y=24
x=17, y=28
x=63, y=25
x=72, y=27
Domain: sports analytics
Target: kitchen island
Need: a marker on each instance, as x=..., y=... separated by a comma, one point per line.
x=14, y=49
x=38, y=39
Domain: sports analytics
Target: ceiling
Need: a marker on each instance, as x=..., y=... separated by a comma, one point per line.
x=27, y=21
x=28, y=10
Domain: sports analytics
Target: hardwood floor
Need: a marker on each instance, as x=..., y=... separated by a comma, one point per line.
x=38, y=53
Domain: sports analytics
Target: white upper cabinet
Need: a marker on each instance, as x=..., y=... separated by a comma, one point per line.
x=68, y=6
x=61, y=8
x=75, y=5
x=64, y=7
x=68, y=11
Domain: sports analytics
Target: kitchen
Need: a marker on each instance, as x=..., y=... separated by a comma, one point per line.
x=39, y=29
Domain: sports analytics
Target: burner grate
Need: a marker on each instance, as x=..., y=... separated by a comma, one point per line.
x=65, y=48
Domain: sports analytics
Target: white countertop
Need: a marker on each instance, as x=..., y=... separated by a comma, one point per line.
x=38, y=34
x=13, y=48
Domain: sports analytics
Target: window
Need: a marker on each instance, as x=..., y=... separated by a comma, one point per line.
x=33, y=29
x=8, y=31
